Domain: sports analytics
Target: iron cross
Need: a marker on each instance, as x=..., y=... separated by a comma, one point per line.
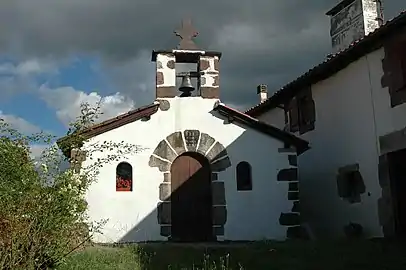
x=186, y=34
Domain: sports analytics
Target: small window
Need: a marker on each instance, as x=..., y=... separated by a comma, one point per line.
x=350, y=184
x=244, y=176
x=124, y=177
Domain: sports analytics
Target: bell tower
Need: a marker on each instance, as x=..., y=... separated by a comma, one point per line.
x=206, y=72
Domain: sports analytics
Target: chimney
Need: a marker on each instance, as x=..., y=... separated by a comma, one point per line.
x=262, y=91
x=351, y=20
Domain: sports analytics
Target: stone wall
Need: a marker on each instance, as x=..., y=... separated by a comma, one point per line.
x=210, y=78
x=290, y=176
x=165, y=76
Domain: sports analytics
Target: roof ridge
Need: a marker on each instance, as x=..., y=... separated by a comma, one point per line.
x=369, y=38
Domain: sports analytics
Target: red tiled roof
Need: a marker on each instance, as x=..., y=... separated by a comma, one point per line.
x=332, y=64
x=113, y=123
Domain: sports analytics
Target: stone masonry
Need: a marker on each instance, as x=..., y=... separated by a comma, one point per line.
x=289, y=176
x=165, y=75
x=210, y=78
x=191, y=141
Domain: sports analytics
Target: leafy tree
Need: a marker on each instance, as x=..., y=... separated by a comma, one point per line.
x=42, y=206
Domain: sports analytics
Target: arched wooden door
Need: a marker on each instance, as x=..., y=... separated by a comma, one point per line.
x=191, y=198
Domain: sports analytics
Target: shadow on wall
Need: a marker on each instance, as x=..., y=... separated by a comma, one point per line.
x=185, y=213
x=192, y=202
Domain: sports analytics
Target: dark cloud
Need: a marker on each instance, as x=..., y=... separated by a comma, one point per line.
x=262, y=41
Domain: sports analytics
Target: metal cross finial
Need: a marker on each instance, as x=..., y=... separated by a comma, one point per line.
x=186, y=34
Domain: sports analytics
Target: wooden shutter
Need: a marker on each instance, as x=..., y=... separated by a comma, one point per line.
x=399, y=69
x=294, y=115
x=311, y=111
x=307, y=111
x=394, y=66
x=402, y=56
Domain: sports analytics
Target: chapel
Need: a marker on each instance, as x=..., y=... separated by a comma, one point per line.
x=207, y=172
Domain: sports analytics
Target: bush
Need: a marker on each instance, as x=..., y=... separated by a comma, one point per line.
x=42, y=206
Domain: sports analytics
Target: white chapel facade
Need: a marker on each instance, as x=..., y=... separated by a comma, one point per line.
x=207, y=172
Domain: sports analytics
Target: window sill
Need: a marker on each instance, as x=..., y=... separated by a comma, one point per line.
x=123, y=189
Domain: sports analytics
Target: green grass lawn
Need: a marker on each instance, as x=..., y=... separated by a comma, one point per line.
x=371, y=255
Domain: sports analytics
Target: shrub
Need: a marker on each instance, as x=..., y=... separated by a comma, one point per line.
x=42, y=206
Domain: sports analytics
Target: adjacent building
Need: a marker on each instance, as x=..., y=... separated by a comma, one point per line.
x=352, y=110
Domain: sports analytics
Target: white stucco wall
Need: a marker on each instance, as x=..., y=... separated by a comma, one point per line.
x=387, y=119
x=275, y=117
x=344, y=135
x=252, y=215
x=352, y=111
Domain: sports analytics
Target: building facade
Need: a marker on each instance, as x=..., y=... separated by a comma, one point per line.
x=207, y=171
x=352, y=110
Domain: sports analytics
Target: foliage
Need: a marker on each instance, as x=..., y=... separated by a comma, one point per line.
x=272, y=255
x=42, y=206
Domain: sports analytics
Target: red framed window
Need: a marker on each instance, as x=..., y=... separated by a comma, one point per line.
x=124, y=177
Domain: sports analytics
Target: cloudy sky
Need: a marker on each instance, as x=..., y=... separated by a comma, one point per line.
x=56, y=54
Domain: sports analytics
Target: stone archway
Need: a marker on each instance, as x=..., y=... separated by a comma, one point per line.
x=191, y=141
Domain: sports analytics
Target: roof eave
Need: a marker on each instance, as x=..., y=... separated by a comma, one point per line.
x=108, y=125
x=300, y=144
x=331, y=66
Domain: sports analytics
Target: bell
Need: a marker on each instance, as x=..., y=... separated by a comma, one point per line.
x=186, y=86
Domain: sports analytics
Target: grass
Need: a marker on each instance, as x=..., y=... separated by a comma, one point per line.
x=360, y=255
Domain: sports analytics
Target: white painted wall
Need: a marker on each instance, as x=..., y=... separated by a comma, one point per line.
x=275, y=117
x=387, y=119
x=352, y=111
x=252, y=215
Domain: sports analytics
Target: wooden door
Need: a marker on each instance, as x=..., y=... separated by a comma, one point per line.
x=191, y=199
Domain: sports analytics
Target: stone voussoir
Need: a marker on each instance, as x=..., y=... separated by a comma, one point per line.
x=164, y=151
x=221, y=165
x=162, y=165
x=206, y=141
x=176, y=141
x=191, y=139
x=216, y=152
